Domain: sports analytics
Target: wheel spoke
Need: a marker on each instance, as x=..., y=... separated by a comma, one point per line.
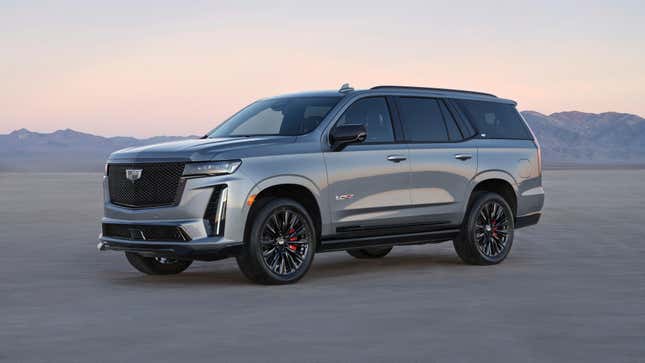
x=285, y=221
x=299, y=242
x=294, y=254
x=482, y=214
x=298, y=232
x=294, y=220
x=269, y=252
x=276, y=224
x=275, y=258
x=274, y=233
x=292, y=265
x=499, y=246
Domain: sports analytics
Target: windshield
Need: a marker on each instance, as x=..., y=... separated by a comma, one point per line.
x=288, y=116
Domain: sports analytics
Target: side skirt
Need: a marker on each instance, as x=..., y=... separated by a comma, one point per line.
x=327, y=245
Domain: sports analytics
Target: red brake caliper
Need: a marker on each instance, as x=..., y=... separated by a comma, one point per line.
x=294, y=238
x=494, y=229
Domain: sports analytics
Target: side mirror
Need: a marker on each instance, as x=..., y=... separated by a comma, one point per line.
x=344, y=135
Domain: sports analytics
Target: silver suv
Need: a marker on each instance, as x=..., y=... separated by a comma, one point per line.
x=294, y=175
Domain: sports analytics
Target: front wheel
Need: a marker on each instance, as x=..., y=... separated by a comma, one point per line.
x=486, y=236
x=281, y=246
x=157, y=265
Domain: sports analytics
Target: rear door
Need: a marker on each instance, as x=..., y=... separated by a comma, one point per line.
x=443, y=159
x=369, y=181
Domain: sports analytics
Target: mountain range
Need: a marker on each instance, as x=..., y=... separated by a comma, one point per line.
x=64, y=150
x=567, y=138
x=589, y=138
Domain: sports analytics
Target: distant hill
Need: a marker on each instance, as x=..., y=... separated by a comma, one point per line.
x=589, y=138
x=64, y=150
x=567, y=138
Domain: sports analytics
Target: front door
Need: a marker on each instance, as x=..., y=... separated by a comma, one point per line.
x=369, y=182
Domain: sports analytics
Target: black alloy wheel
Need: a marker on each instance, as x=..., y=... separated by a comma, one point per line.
x=487, y=231
x=281, y=242
x=492, y=229
x=285, y=240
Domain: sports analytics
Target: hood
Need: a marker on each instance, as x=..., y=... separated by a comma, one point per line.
x=194, y=149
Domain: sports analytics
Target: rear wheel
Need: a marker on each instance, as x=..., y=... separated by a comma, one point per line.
x=281, y=246
x=157, y=265
x=487, y=234
x=371, y=252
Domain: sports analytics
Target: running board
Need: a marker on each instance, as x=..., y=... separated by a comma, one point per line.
x=390, y=240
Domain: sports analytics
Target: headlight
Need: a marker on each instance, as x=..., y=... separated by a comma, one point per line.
x=212, y=168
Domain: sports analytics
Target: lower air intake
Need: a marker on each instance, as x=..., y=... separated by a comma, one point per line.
x=145, y=232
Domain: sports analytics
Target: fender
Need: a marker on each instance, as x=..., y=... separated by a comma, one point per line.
x=487, y=175
x=297, y=180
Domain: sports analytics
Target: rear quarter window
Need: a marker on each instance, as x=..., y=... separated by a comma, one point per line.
x=495, y=120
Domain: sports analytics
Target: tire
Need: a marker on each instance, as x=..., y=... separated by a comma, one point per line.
x=371, y=252
x=487, y=233
x=157, y=265
x=281, y=245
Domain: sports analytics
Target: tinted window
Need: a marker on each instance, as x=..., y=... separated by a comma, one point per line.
x=496, y=120
x=453, y=130
x=422, y=120
x=466, y=128
x=372, y=113
x=278, y=116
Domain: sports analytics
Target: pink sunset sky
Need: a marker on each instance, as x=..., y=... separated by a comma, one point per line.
x=149, y=68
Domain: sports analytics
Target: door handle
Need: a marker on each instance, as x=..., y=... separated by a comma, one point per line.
x=463, y=157
x=396, y=158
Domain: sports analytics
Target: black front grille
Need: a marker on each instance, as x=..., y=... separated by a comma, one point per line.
x=159, y=184
x=145, y=232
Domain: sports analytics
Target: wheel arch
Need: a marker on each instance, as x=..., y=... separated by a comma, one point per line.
x=297, y=188
x=498, y=182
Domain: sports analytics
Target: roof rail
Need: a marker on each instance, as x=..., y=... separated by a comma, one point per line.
x=436, y=89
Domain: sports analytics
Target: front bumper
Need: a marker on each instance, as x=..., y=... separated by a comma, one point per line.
x=199, y=239
x=205, y=251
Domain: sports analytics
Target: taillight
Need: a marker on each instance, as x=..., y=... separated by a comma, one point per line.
x=539, y=156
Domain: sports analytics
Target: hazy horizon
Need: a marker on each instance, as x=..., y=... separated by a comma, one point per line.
x=117, y=134
x=170, y=68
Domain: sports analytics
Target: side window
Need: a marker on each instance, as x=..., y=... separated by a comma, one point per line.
x=372, y=113
x=496, y=120
x=466, y=127
x=422, y=120
x=453, y=129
